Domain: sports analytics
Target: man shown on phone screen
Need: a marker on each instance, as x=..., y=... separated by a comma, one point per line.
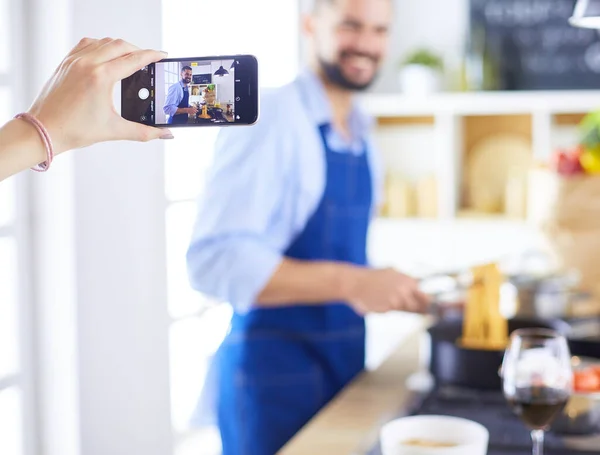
x=177, y=104
x=281, y=235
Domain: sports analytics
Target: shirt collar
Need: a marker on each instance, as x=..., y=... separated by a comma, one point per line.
x=319, y=107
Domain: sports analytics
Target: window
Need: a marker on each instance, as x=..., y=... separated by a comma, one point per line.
x=12, y=375
x=199, y=324
x=5, y=34
x=171, y=74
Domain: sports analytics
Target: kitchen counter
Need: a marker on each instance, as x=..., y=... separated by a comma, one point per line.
x=350, y=423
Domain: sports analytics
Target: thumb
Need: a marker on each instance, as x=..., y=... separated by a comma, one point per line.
x=132, y=131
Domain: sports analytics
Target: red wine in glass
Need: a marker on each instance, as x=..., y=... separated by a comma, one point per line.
x=537, y=379
x=538, y=406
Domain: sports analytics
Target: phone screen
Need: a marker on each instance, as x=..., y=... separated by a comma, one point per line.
x=203, y=91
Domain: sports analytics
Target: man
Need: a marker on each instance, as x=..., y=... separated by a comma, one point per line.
x=281, y=234
x=177, y=104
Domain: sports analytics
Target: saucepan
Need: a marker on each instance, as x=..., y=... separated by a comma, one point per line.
x=453, y=364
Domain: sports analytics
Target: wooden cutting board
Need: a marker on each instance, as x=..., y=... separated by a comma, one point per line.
x=490, y=164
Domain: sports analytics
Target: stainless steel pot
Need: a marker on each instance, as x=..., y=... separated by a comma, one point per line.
x=549, y=296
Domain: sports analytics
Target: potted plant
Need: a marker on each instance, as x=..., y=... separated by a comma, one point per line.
x=421, y=72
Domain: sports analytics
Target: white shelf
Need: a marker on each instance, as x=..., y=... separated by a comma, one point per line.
x=482, y=103
x=445, y=142
x=416, y=245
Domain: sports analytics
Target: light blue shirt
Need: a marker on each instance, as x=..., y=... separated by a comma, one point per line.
x=265, y=183
x=174, y=97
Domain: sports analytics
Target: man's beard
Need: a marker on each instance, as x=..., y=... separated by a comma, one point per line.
x=333, y=73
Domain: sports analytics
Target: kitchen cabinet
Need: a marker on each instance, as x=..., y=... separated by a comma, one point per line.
x=475, y=151
x=478, y=147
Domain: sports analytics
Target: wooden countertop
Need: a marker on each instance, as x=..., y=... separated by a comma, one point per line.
x=350, y=423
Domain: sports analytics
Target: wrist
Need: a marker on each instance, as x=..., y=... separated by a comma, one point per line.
x=53, y=131
x=21, y=147
x=348, y=281
x=27, y=138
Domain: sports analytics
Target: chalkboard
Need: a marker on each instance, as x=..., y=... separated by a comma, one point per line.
x=534, y=45
x=202, y=78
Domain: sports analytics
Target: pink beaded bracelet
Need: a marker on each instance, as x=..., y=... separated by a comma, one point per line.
x=42, y=167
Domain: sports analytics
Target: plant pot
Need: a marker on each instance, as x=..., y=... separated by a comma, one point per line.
x=419, y=80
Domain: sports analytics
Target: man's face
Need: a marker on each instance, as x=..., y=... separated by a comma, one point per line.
x=350, y=39
x=186, y=75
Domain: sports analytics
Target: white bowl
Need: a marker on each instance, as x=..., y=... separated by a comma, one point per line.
x=468, y=437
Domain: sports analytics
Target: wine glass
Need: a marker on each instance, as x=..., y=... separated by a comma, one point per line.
x=537, y=379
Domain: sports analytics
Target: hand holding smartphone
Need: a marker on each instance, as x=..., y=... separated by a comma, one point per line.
x=195, y=91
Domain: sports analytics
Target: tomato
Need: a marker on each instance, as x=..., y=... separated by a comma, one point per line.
x=586, y=380
x=568, y=162
x=596, y=369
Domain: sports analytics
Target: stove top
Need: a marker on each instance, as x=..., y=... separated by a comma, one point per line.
x=508, y=436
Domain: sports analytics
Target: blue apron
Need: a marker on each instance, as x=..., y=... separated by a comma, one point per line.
x=278, y=367
x=185, y=102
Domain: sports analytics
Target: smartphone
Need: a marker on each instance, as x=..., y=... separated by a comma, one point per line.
x=195, y=91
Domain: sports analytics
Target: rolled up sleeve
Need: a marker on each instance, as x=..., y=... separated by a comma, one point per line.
x=174, y=97
x=233, y=252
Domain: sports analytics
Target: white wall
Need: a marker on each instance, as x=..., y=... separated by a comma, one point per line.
x=202, y=69
x=121, y=288
x=439, y=25
x=98, y=230
x=52, y=241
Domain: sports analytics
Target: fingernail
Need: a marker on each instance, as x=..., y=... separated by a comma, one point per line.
x=163, y=52
x=167, y=136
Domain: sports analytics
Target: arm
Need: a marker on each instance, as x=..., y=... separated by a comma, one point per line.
x=174, y=97
x=309, y=282
x=20, y=148
x=63, y=105
x=365, y=289
x=238, y=240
